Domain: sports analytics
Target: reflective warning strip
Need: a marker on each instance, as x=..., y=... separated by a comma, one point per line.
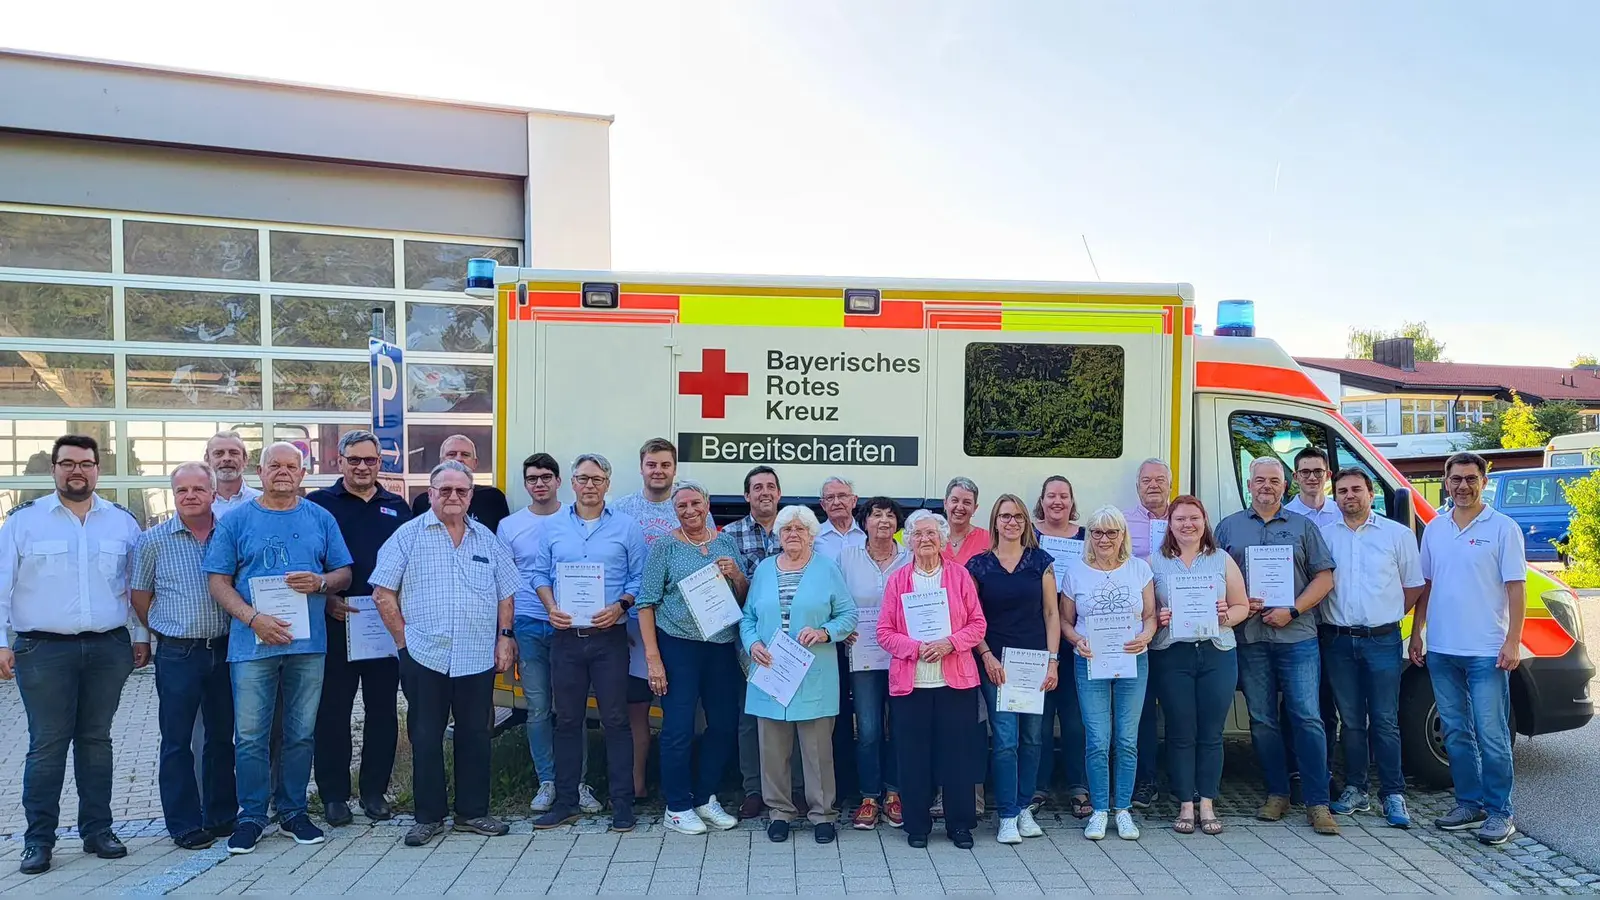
x=1254, y=379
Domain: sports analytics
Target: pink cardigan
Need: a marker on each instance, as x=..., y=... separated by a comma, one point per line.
x=967, y=627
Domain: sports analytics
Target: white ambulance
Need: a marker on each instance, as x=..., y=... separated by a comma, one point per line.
x=902, y=384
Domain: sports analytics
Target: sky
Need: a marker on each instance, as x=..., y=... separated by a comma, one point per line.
x=1349, y=164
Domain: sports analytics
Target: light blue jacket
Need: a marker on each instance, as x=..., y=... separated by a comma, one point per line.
x=821, y=601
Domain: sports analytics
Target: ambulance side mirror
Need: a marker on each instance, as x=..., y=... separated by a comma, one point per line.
x=1401, y=508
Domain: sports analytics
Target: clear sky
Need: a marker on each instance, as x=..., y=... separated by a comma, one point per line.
x=1339, y=163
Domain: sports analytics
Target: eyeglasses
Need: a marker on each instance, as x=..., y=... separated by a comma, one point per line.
x=1012, y=517
x=830, y=498
x=453, y=491
x=1312, y=473
x=68, y=465
x=363, y=460
x=591, y=479
x=1100, y=534
x=546, y=478
x=1459, y=480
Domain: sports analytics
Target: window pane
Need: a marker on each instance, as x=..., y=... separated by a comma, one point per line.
x=35, y=241
x=301, y=258
x=434, y=266
x=25, y=445
x=71, y=311
x=422, y=446
x=1044, y=400
x=327, y=322
x=159, y=447
x=449, y=328
x=1257, y=435
x=190, y=251
x=437, y=388
x=1348, y=456
x=193, y=382
x=192, y=316
x=151, y=506
x=319, y=442
x=311, y=384
x=35, y=378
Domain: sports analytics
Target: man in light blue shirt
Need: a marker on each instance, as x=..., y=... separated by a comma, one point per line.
x=840, y=531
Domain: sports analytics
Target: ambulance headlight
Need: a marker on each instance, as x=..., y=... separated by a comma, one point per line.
x=862, y=302
x=600, y=296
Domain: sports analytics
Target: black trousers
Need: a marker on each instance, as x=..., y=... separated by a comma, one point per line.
x=379, y=681
x=935, y=730
x=432, y=699
x=577, y=665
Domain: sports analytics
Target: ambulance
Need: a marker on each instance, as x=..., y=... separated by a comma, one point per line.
x=900, y=385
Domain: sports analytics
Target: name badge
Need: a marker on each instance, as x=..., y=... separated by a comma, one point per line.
x=387, y=511
x=481, y=559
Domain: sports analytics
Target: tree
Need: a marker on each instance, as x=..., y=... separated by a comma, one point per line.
x=1487, y=433
x=1427, y=347
x=1558, y=417
x=1519, y=427
x=1582, y=546
x=1585, y=359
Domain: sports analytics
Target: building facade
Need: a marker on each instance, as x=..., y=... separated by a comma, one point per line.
x=182, y=253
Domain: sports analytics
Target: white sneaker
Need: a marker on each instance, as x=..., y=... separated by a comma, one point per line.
x=714, y=815
x=546, y=797
x=1126, y=829
x=1008, y=832
x=1095, y=830
x=686, y=822
x=1026, y=826
x=586, y=799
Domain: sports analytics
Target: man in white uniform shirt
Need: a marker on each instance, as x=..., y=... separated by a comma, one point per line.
x=1377, y=578
x=841, y=530
x=64, y=565
x=226, y=454
x=1311, y=476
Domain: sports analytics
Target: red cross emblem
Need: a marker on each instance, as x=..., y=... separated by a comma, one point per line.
x=714, y=383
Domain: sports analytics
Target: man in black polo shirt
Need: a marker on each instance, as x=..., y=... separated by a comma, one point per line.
x=488, y=502
x=367, y=515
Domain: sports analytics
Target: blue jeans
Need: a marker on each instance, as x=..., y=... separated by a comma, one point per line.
x=1014, y=749
x=707, y=674
x=1474, y=699
x=876, y=767
x=1265, y=669
x=1196, y=682
x=1111, y=711
x=1062, y=704
x=533, y=669
x=193, y=683
x=70, y=690
x=1365, y=675
x=255, y=698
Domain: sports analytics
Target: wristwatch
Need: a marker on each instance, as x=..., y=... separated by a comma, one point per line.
x=1294, y=613
x=1055, y=657
x=508, y=633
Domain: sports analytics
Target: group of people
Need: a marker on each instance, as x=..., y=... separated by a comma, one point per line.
x=797, y=646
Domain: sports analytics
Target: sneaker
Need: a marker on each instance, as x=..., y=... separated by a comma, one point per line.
x=1395, y=812
x=623, y=820
x=1352, y=801
x=488, y=826
x=1497, y=830
x=1127, y=829
x=866, y=817
x=685, y=822
x=1322, y=820
x=1461, y=819
x=301, y=829
x=555, y=818
x=244, y=838
x=1026, y=826
x=1142, y=795
x=423, y=832
x=1095, y=828
x=546, y=797
x=715, y=816
x=587, y=801
x=198, y=839
x=1008, y=831
x=1274, y=809
x=962, y=838
x=893, y=813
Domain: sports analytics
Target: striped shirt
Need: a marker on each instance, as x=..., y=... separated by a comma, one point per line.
x=168, y=561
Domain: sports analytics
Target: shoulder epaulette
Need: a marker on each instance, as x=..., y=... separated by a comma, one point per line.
x=22, y=506
x=121, y=507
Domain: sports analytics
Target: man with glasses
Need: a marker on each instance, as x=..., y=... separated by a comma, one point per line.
x=489, y=504
x=290, y=553
x=70, y=639
x=367, y=515
x=840, y=531
x=229, y=458
x=1311, y=473
x=1473, y=608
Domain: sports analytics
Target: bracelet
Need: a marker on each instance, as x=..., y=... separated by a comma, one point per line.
x=252, y=622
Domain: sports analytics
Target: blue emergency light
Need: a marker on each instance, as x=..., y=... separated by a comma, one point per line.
x=1236, y=318
x=480, y=274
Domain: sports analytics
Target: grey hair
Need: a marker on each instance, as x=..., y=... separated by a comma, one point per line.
x=352, y=438
x=1154, y=461
x=961, y=481
x=460, y=437
x=196, y=466
x=1268, y=460
x=449, y=465
x=797, y=513
x=923, y=515
x=279, y=446
x=228, y=435
x=597, y=459
x=688, y=485
x=1107, y=517
x=840, y=479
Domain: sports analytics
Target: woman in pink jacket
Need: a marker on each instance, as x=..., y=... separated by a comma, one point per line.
x=929, y=622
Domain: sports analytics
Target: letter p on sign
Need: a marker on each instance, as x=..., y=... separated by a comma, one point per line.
x=388, y=404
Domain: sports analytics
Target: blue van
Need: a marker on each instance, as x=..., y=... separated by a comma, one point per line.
x=1535, y=500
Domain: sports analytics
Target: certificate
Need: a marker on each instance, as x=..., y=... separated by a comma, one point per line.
x=1193, y=600
x=710, y=600
x=1158, y=533
x=1062, y=550
x=927, y=615
x=1271, y=574
x=272, y=596
x=790, y=661
x=866, y=654
x=1025, y=674
x=581, y=591
x=366, y=637
x=1107, y=634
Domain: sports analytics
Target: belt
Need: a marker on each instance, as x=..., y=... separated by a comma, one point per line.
x=210, y=643
x=592, y=632
x=58, y=636
x=1361, y=630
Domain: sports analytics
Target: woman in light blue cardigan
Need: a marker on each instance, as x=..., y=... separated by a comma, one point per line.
x=804, y=595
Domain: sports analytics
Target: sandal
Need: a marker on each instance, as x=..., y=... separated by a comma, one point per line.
x=1211, y=826
x=1184, y=825
x=1081, y=807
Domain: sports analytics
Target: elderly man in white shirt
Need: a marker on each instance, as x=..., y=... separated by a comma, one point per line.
x=841, y=531
x=1377, y=578
x=64, y=595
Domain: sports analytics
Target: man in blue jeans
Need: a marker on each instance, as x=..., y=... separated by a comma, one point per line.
x=1377, y=578
x=272, y=564
x=1278, y=645
x=1473, y=609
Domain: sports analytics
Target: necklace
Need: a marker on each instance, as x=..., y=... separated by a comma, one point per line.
x=880, y=560
x=710, y=533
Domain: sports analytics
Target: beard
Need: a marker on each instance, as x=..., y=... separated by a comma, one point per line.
x=77, y=494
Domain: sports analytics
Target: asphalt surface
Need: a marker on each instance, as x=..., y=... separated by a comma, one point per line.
x=1558, y=775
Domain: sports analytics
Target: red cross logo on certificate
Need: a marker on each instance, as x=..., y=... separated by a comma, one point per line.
x=714, y=383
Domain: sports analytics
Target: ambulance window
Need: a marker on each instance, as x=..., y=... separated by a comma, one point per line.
x=1044, y=401
x=1346, y=457
x=1279, y=437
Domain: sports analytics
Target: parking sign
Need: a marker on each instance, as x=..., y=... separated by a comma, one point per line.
x=388, y=404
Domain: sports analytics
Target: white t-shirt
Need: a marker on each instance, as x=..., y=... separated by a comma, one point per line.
x=1468, y=613
x=520, y=532
x=1098, y=592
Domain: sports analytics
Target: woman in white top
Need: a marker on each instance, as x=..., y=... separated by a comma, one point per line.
x=1194, y=669
x=1110, y=591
